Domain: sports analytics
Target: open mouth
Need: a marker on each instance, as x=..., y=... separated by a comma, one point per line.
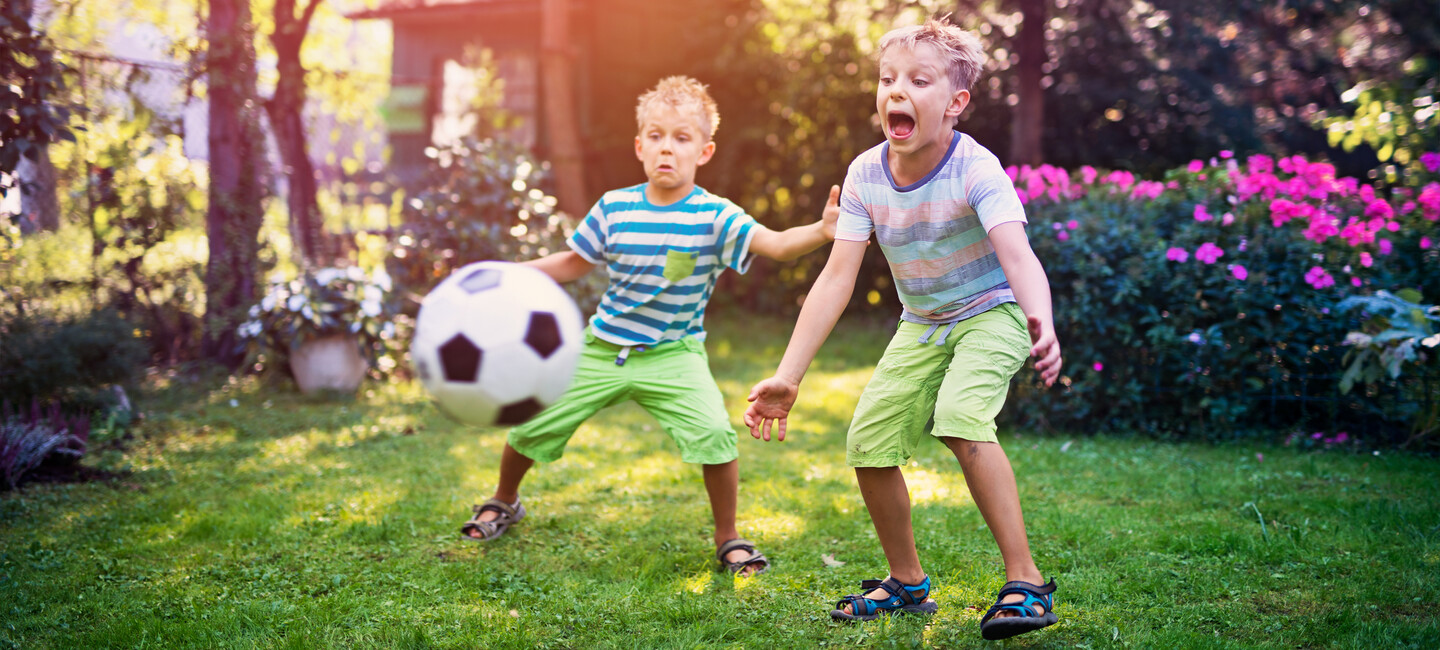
x=901, y=125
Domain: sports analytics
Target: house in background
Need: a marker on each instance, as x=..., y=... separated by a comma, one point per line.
x=615, y=50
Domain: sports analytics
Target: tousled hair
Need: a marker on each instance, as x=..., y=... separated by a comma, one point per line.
x=961, y=49
x=681, y=92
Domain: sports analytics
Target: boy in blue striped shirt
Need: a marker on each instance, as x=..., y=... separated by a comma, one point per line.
x=664, y=244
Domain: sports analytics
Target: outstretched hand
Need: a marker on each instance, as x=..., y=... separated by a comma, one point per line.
x=830, y=216
x=770, y=403
x=1045, y=348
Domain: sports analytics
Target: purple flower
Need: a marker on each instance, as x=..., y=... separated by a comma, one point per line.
x=1208, y=253
x=1177, y=254
x=1431, y=161
x=1385, y=246
x=1062, y=235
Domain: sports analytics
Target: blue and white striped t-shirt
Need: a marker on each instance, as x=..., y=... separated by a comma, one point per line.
x=662, y=261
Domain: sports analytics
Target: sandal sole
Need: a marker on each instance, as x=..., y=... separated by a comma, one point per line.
x=1004, y=628
x=926, y=608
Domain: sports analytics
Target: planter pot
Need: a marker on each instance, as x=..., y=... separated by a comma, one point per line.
x=330, y=363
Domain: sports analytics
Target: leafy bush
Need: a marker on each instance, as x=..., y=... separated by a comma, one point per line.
x=67, y=361
x=28, y=439
x=322, y=303
x=1206, y=304
x=1397, y=335
x=486, y=204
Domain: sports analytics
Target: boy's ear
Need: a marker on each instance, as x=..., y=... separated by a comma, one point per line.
x=638, y=155
x=706, y=152
x=958, y=102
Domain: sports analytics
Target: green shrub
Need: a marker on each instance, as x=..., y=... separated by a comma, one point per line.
x=68, y=361
x=1205, y=305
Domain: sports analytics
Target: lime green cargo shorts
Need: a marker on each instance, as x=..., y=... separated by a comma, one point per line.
x=959, y=377
x=671, y=381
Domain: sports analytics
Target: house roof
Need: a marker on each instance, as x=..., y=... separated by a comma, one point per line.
x=391, y=9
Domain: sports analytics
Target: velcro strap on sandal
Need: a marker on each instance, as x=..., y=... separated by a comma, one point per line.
x=496, y=505
x=737, y=543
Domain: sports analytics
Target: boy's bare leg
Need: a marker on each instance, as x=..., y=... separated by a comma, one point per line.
x=887, y=498
x=992, y=484
x=722, y=484
x=513, y=466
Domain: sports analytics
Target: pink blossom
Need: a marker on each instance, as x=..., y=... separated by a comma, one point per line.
x=1319, y=278
x=1200, y=213
x=1088, y=175
x=1072, y=224
x=1195, y=167
x=1430, y=201
x=1098, y=366
x=1431, y=161
x=1260, y=164
x=1392, y=226
x=1208, y=253
x=1228, y=219
x=1259, y=457
x=1355, y=282
x=1341, y=437
x=1062, y=236
x=1239, y=272
x=1385, y=246
x=1424, y=243
x=1227, y=154
x=1366, y=260
x=1177, y=254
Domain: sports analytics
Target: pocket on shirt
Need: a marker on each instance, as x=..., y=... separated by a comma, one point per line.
x=679, y=264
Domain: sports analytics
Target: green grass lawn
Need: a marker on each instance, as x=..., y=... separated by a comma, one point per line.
x=249, y=516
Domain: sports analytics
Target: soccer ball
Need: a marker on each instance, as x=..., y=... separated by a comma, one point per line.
x=496, y=343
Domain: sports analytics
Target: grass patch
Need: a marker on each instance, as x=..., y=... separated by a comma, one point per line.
x=250, y=516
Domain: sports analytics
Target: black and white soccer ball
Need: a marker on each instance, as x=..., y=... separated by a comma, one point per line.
x=495, y=343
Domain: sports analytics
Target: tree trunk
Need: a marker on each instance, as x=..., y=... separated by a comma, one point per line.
x=562, y=126
x=1027, y=123
x=307, y=226
x=39, y=203
x=232, y=224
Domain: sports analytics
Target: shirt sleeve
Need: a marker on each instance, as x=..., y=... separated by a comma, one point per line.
x=855, y=223
x=590, y=236
x=737, y=229
x=990, y=191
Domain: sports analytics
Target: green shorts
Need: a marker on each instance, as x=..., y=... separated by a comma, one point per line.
x=672, y=382
x=956, y=379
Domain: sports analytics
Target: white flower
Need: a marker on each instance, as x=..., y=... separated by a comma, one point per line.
x=1357, y=338
x=370, y=308
x=268, y=302
x=355, y=273
x=296, y=302
x=382, y=279
x=308, y=312
x=373, y=294
x=326, y=276
x=1430, y=341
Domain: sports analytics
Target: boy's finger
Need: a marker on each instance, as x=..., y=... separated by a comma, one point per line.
x=834, y=195
x=782, y=430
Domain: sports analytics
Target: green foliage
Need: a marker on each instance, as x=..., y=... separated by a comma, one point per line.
x=485, y=204
x=31, y=85
x=68, y=361
x=1398, y=334
x=1157, y=339
x=1399, y=119
x=284, y=521
x=322, y=303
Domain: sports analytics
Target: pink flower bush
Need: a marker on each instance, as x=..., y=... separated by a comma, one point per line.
x=1319, y=278
x=1431, y=161
x=1208, y=253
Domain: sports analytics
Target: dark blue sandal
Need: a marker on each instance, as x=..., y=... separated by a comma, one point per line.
x=1025, y=618
x=903, y=599
x=756, y=559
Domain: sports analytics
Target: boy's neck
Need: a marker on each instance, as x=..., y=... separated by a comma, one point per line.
x=909, y=168
x=665, y=196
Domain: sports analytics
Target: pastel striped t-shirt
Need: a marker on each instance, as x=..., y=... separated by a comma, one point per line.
x=934, y=233
x=662, y=261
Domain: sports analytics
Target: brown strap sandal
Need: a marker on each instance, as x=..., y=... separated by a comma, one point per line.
x=755, y=558
x=495, y=527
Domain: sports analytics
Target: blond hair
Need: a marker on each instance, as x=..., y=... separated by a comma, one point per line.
x=961, y=49
x=681, y=93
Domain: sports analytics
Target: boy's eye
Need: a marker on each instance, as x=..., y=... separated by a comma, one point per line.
x=921, y=83
x=886, y=80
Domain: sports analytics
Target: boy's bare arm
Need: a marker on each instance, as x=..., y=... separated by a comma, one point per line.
x=791, y=243
x=562, y=267
x=1032, y=289
x=771, y=399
